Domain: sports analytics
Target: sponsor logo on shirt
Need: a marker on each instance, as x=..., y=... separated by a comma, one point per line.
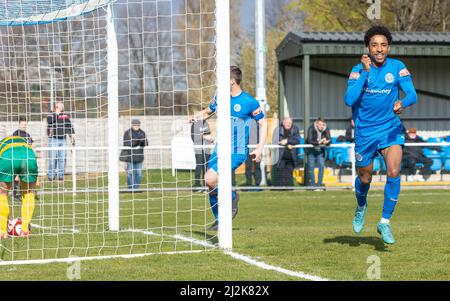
x=237, y=107
x=373, y=91
x=257, y=111
x=404, y=72
x=354, y=75
x=389, y=78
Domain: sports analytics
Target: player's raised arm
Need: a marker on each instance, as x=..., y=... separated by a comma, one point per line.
x=356, y=81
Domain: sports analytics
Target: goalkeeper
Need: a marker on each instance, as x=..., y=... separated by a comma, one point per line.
x=243, y=108
x=17, y=157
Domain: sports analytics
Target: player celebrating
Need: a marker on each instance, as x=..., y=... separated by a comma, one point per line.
x=373, y=93
x=17, y=157
x=243, y=108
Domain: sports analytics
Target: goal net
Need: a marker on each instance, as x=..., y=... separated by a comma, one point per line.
x=105, y=88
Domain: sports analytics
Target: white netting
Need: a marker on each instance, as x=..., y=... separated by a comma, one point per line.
x=57, y=51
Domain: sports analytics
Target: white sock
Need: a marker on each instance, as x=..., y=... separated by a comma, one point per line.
x=361, y=207
x=384, y=221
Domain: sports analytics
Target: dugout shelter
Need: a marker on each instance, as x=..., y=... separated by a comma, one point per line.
x=314, y=68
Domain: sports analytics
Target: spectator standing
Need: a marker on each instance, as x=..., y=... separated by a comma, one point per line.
x=253, y=168
x=319, y=136
x=288, y=136
x=413, y=155
x=21, y=132
x=201, y=136
x=135, y=139
x=59, y=127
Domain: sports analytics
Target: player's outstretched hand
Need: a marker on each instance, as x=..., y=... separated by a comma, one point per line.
x=398, y=107
x=256, y=155
x=366, y=61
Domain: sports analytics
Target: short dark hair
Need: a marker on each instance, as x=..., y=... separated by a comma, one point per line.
x=22, y=118
x=236, y=74
x=377, y=30
x=320, y=118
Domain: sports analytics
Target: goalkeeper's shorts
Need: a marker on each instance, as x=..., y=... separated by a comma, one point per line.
x=236, y=160
x=19, y=161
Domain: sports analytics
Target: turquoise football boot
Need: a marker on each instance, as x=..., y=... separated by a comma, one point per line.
x=358, y=221
x=386, y=233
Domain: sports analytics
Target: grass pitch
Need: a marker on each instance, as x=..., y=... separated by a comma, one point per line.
x=302, y=231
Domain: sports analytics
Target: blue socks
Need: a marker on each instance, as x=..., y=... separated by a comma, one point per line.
x=391, y=193
x=361, y=192
x=213, y=202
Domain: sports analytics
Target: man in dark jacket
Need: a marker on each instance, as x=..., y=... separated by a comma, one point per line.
x=201, y=136
x=319, y=136
x=59, y=127
x=253, y=168
x=413, y=155
x=21, y=132
x=288, y=136
x=136, y=139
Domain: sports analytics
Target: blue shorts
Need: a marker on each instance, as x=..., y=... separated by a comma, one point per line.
x=236, y=161
x=367, y=148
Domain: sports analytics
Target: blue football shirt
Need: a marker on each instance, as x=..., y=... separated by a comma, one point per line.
x=372, y=95
x=243, y=108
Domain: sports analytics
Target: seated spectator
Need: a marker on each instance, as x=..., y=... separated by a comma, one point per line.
x=319, y=136
x=413, y=155
x=288, y=136
x=350, y=132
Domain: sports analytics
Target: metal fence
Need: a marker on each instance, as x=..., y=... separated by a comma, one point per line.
x=87, y=168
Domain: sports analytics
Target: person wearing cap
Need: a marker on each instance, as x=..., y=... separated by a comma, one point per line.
x=135, y=140
x=413, y=155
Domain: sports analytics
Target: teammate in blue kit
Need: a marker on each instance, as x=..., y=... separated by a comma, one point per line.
x=244, y=108
x=373, y=94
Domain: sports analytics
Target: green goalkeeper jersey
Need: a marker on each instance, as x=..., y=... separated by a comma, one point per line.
x=17, y=157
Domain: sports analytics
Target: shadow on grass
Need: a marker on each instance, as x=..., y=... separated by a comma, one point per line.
x=356, y=241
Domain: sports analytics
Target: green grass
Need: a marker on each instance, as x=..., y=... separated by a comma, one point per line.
x=296, y=230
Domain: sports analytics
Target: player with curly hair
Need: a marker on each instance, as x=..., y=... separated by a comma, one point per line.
x=373, y=94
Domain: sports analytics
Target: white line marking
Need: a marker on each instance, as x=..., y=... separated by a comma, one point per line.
x=53, y=228
x=72, y=259
x=206, y=244
x=241, y=257
x=266, y=266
